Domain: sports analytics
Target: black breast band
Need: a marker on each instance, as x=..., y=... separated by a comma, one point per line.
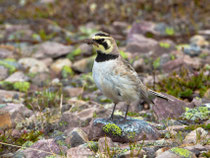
x=105, y=57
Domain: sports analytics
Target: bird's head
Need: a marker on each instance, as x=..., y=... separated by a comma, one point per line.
x=103, y=42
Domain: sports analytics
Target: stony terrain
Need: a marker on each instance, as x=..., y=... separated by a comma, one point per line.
x=51, y=107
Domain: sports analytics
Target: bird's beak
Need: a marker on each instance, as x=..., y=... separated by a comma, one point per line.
x=90, y=41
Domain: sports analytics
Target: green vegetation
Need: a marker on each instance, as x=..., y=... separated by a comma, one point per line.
x=169, y=31
x=10, y=64
x=196, y=114
x=20, y=86
x=113, y=129
x=184, y=84
x=26, y=139
x=156, y=63
x=67, y=72
x=74, y=53
x=165, y=45
x=181, y=152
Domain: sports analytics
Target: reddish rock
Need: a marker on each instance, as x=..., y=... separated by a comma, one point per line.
x=42, y=148
x=79, y=152
x=169, y=109
x=11, y=114
x=104, y=143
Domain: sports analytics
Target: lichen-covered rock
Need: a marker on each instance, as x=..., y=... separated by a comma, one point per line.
x=77, y=137
x=177, y=153
x=121, y=131
x=197, y=114
x=6, y=96
x=10, y=64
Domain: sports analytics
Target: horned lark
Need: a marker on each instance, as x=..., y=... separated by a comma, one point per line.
x=115, y=77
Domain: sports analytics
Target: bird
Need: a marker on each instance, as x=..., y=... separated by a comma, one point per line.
x=115, y=77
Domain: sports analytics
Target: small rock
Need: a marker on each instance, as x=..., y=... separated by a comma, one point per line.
x=4, y=73
x=161, y=150
x=133, y=153
x=41, y=79
x=59, y=64
x=139, y=65
x=73, y=92
x=104, y=143
x=18, y=76
x=9, y=95
x=199, y=40
x=140, y=44
x=79, y=152
x=168, y=109
x=192, y=50
x=142, y=27
x=177, y=153
x=87, y=114
x=77, y=137
x=84, y=65
x=196, y=149
x=11, y=114
x=5, y=53
x=43, y=148
x=33, y=65
x=176, y=128
x=120, y=131
x=195, y=136
x=47, y=49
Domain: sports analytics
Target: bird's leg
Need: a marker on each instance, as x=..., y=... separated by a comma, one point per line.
x=126, y=112
x=112, y=115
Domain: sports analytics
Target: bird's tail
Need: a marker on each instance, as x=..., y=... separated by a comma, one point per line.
x=156, y=94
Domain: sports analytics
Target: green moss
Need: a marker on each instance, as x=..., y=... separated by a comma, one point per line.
x=113, y=129
x=27, y=144
x=181, y=152
x=156, y=63
x=67, y=72
x=74, y=53
x=165, y=45
x=182, y=86
x=22, y=86
x=123, y=54
x=9, y=64
x=169, y=31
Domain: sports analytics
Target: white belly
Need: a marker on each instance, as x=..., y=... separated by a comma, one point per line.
x=109, y=83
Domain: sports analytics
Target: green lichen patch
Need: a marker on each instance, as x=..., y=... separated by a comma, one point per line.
x=67, y=72
x=22, y=86
x=196, y=114
x=11, y=65
x=181, y=152
x=113, y=129
x=165, y=45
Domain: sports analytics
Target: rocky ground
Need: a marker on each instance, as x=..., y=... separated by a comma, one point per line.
x=50, y=106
